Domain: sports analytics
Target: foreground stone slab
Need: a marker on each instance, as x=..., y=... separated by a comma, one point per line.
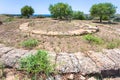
x=101, y=60
x=2, y=45
x=86, y=65
x=64, y=64
x=31, y=52
x=107, y=61
x=5, y=50
x=114, y=56
x=75, y=63
x=117, y=51
x=11, y=58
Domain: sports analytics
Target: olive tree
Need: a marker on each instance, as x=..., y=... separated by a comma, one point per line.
x=27, y=11
x=61, y=11
x=102, y=9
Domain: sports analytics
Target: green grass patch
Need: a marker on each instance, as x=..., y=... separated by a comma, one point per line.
x=9, y=19
x=30, y=43
x=93, y=39
x=37, y=63
x=113, y=44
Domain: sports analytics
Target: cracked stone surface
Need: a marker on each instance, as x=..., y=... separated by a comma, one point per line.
x=101, y=60
x=91, y=62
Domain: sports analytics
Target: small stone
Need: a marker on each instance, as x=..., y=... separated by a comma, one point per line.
x=92, y=78
x=58, y=77
x=71, y=77
x=50, y=78
x=82, y=77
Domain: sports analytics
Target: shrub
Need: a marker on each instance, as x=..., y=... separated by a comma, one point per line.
x=30, y=43
x=37, y=63
x=61, y=11
x=78, y=15
x=93, y=39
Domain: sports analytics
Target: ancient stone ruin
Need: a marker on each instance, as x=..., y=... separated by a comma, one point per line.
x=85, y=29
x=106, y=62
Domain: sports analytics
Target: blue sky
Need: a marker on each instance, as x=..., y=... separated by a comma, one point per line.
x=41, y=6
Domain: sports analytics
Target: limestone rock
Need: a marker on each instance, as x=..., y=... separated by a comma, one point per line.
x=114, y=56
x=2, y=45
x=4, y=50
x=86, y=65
x=92, y=78
x=82, y=77
x=64, y=64
x=12, y=57
x=50, y=78
x=75, y=63
x=101, y=60
x=58, y=77
x=70, y=77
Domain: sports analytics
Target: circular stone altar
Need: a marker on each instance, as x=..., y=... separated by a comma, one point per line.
x=55, y=27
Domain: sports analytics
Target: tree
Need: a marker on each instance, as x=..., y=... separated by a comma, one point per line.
x=78, y=15
x=27, y=11
x=103, y=9
x=60, y=11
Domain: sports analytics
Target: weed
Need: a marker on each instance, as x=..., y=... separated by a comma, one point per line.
x=2, y=71
x=93, y=39
x=38, y=63
x=9, y=19
x=30, y=43
x=111, y=45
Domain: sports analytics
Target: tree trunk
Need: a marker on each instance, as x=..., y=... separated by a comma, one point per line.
x=100, y=19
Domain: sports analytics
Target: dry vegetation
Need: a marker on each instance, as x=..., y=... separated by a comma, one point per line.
x=12, y=36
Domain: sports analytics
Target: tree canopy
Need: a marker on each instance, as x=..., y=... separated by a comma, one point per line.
x=103, y=9
x=78, y=15
x=27, y=11
x=61, y=11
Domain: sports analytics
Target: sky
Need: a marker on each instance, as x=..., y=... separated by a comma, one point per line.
x=41, y=6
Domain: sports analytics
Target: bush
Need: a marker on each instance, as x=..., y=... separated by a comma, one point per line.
x=30, y=43
x=78, y=15
x=27, y=11
x=93, y=39
x=37, y=63
x=61, y=11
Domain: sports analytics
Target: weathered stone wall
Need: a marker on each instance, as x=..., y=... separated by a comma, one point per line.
x=26, y=28
x=91, y=62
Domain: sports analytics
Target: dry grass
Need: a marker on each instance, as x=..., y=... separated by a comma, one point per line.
x=12, y=36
